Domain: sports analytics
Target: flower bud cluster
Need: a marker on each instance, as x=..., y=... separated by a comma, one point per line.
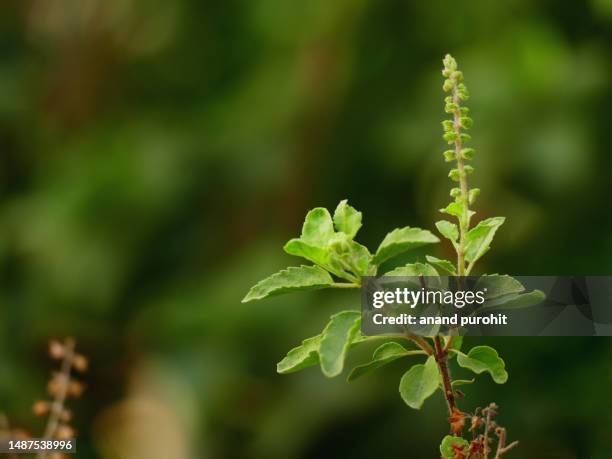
x=454, y=129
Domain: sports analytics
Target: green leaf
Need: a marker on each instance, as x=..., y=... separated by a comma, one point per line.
x=484, y=358
x=450, y=444
x=318, y=227
x=454, y=208
x=413, y=270
x=458, y=209
x=299, y=248
x=347, y=219
x=289, y=280
x=321, y=256
x=317, y=233
x=478, y=239
x=448, y=230
x=513, y=301
x=300, y=357
x=498, y=285
x=351, y=255
x=336, y=340
x=383, y=355
x=419, y=383
x=401, y=240
x=505, y=292
x=444, y=266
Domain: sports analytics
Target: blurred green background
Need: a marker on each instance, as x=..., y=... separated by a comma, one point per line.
x=155, y=156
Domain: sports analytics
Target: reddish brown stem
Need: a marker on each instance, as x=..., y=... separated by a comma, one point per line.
x=422, y=344
x=441, y=356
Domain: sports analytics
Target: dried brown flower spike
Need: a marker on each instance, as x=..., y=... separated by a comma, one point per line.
x=61, y=387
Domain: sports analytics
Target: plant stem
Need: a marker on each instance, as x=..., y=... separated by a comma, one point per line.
x=463, y=185
x=449, y=343
x=441, y=356
x=501, y=444
x=421, y=343
x=486, y=433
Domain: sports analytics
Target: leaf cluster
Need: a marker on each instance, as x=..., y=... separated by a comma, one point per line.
x=340, y=262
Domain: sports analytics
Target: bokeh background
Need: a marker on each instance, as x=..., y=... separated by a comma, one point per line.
x=155, y=156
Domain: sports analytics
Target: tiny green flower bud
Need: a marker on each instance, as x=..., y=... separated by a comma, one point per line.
x=473, y=194
x=450, y=137
x=448, y=99
x=466, y=122
x=465, y=137
x=455, y=192
x=450, y=63
x=454, y=175
x=448, y=125
x=457, y=75
x=447, y=86
x=468, y=169
x=465, y=110
x=451, y=108
x=467, y=153
x=449, y=156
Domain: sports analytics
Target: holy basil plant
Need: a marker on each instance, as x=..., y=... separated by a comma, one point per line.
x=337, y=260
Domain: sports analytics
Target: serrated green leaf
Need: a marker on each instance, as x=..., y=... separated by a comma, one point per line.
x=289, y=280
x=318, y=227
x=450, y=443
x=413, y=270
x=347, y=219
x=419, y=383
x=336, y=340
x=478, y=239
x=443, y=266
x=484, y=358
x=300, y=357
x=384, y=354
x=401, y=240
x=448, y=230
